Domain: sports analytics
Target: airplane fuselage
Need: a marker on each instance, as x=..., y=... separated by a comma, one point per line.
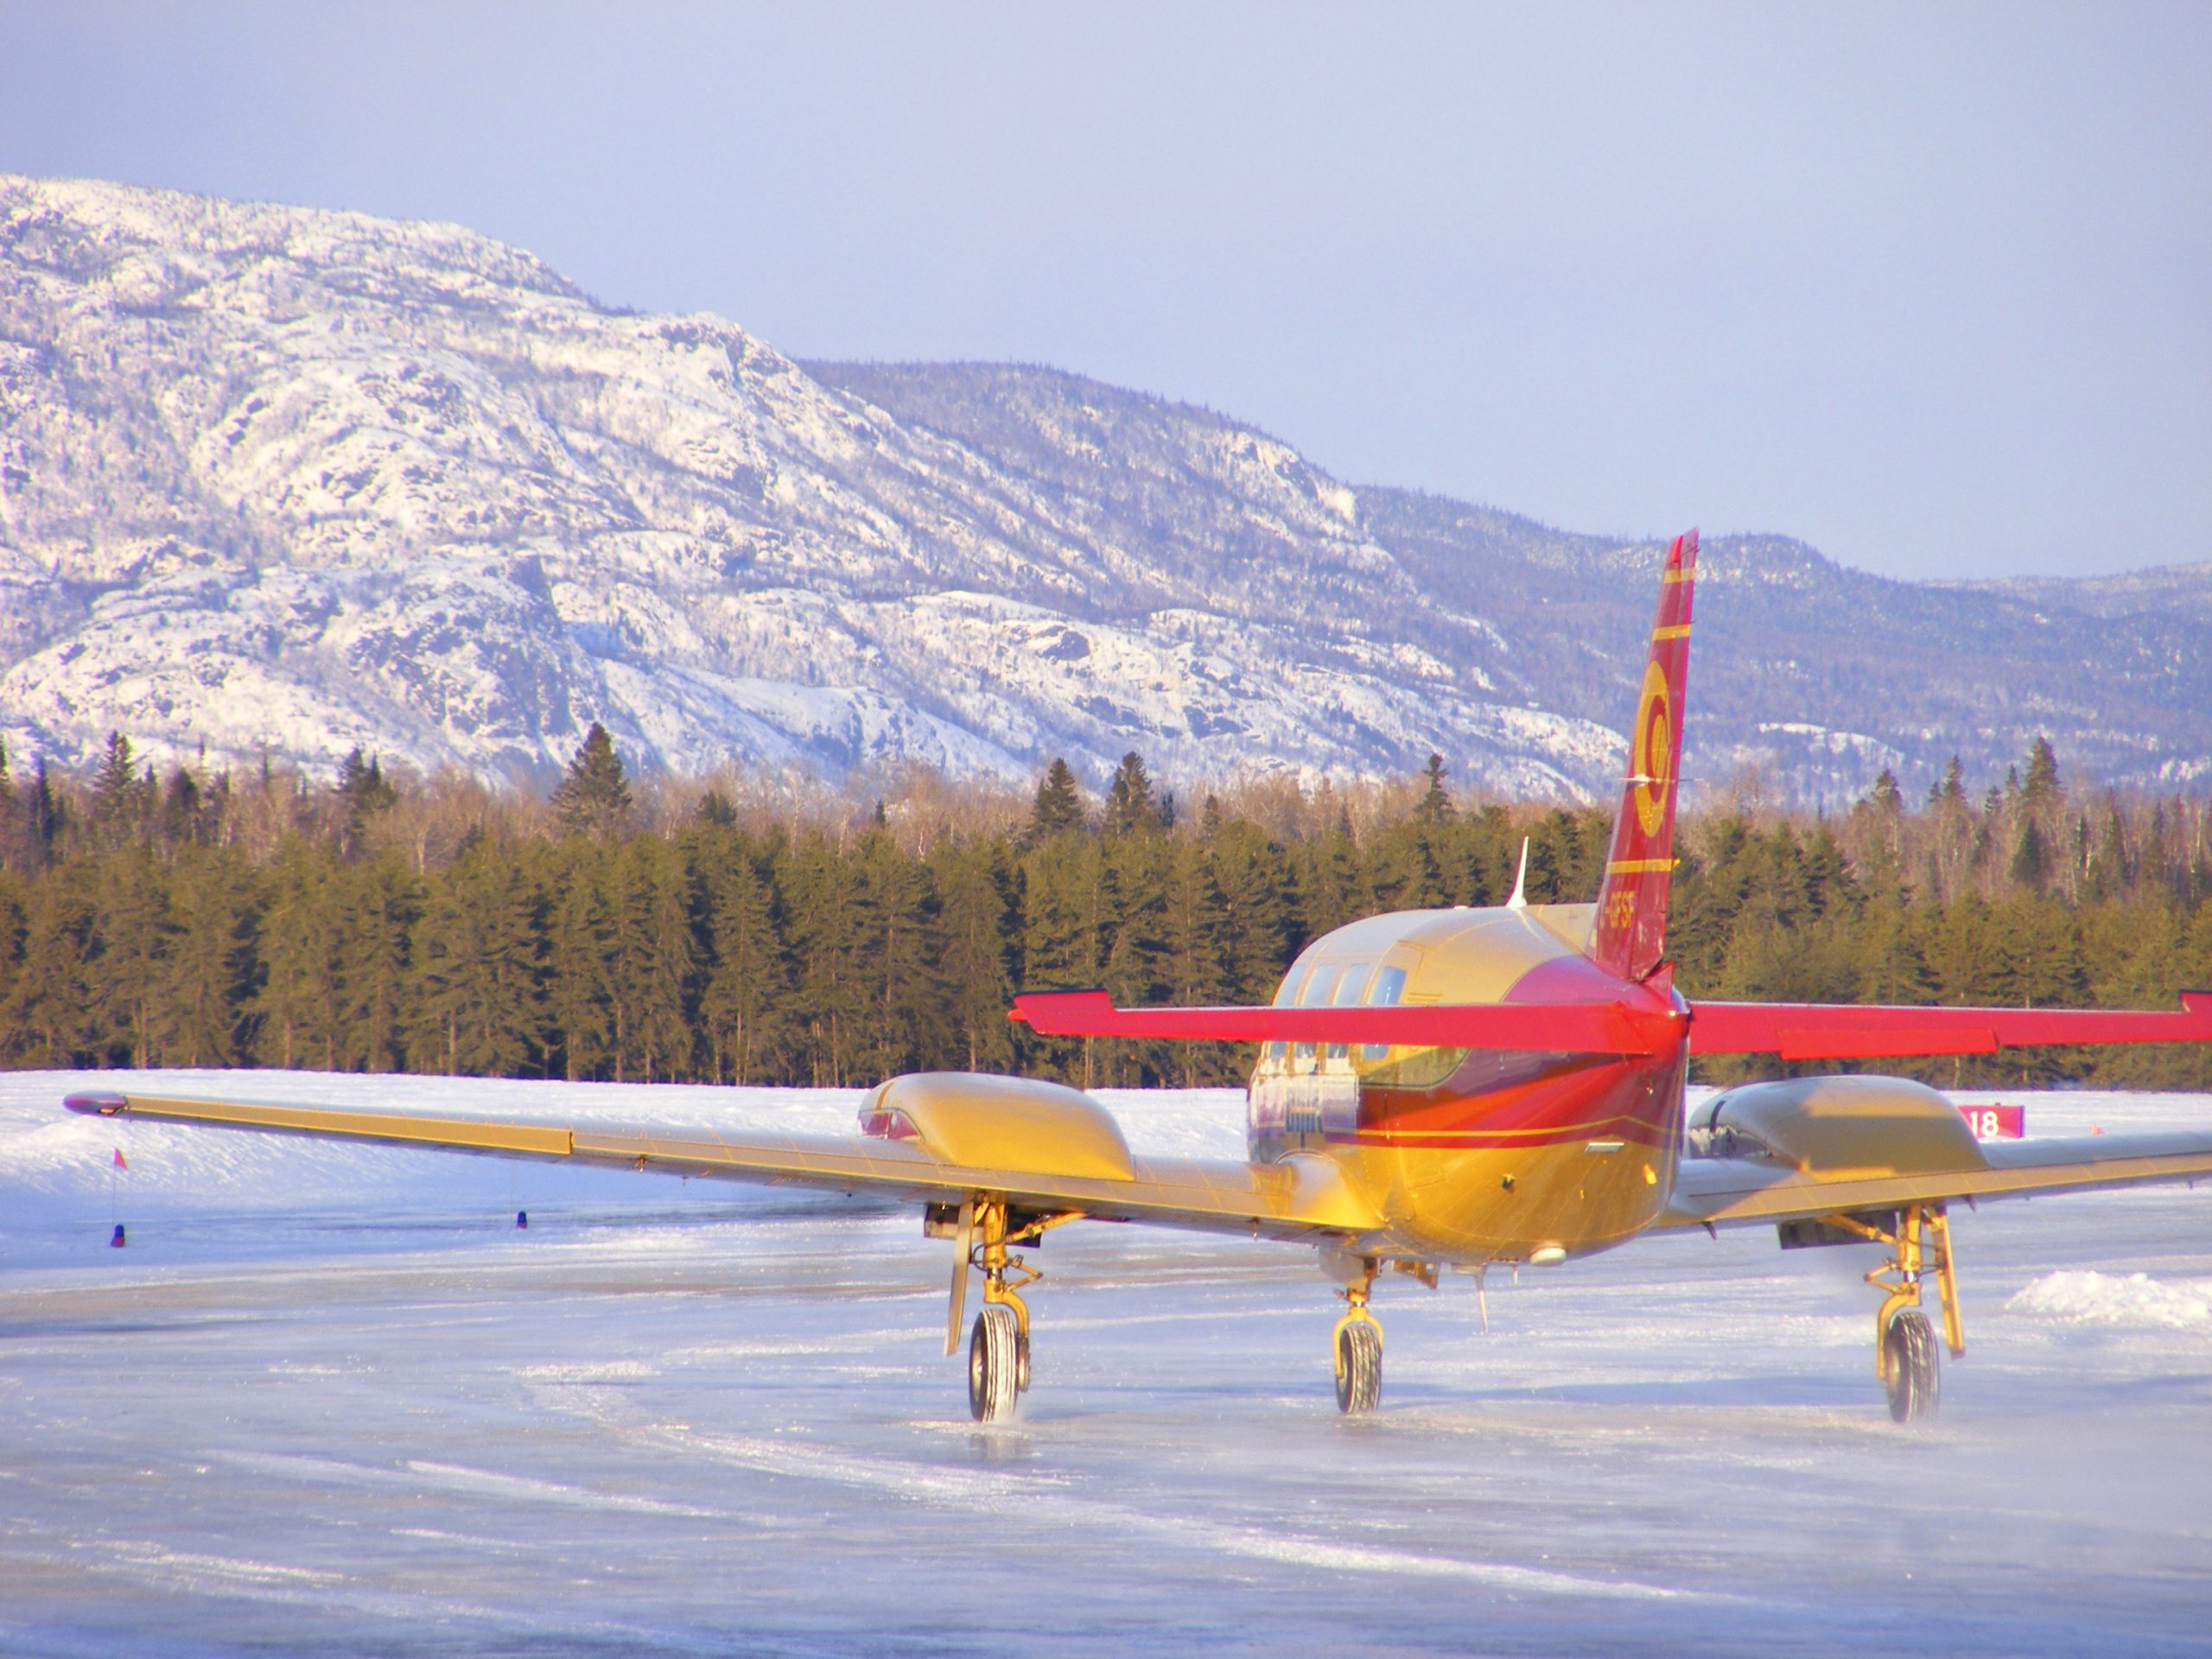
x=1474, y=1156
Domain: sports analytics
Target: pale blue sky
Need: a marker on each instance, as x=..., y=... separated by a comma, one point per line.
x=1931, y=287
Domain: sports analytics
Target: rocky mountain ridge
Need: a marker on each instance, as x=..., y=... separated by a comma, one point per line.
x=277, y=481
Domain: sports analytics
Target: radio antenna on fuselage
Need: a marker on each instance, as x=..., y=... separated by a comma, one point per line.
x=1519, y=899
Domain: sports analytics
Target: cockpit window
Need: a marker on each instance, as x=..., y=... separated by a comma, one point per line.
x=1390, y=985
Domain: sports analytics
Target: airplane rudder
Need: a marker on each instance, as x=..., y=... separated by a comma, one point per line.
x=1631, y=931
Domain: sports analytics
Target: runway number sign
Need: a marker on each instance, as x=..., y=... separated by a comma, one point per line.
x=1997, y=1122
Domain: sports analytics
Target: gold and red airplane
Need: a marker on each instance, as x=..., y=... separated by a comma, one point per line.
x=1435, y=1088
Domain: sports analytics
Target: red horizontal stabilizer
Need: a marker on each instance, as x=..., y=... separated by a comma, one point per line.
x=1569, y=1028
x=1812, y=1031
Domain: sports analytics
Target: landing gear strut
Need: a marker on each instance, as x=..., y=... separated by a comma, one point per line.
x=998, y=1347
x=1904, y=1341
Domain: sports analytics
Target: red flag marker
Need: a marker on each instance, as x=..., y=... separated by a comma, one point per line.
x=119, y=1162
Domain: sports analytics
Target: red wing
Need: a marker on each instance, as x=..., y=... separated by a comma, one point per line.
x=1578, y=1027
x=1810, y=1031
x=1791, y=1031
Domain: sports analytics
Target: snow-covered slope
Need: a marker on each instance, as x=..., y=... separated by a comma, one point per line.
x=284, y=481
x=302, y=480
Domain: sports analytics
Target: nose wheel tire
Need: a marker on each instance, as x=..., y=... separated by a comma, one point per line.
x=996, y=1365
x=1359, y=1368
x=1909, y=1376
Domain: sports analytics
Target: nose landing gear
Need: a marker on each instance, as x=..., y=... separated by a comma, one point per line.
x=1358, y=1341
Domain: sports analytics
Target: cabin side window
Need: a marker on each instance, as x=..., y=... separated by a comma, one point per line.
x=1322, y=981
x=1350, y=991
x=1389, y=987
x=1287, y=997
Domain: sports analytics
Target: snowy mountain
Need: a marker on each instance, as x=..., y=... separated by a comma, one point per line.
x=280, y=480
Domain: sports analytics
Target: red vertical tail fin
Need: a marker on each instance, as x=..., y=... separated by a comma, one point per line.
x=1630, y=936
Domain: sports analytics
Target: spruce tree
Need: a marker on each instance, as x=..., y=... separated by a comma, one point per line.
x=901, y=984
x=978, y=922
x=52, y=1015
x=1329, y=875
x=127, y=968
x=116, y=779
x=181, y=809
x=655, y=961
x=1889, y=967
x=476, y=1000
x=826, y=940
x=362, y=793
x=436, y=957
x=593, y=799
x=15, y=897
x=1257, y=922
x=505, y=1033
x=1060, y=942
x=1194, y=958
x=1059, y=947
x=120, y=799
x=1057, y=810
x=1434, y=806
x=1958, y=949
x=1131, y=806
x=379, y=900
x=2041, y=787
x=2109, y=876
x=581, y=974
x=1407, y=874
x=295, y=1011
x=2030, y=860
x=747, y=990
x=210, y=960
x=1952, y=790
x=43, y=820
x=1137, y=876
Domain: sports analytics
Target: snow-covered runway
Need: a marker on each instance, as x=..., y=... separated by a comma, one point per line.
x=330, y=1400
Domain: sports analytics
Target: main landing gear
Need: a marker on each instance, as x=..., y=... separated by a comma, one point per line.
x=998, y=1346
x=1905, y=1356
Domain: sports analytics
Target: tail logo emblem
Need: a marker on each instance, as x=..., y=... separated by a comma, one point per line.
x=1654, y=743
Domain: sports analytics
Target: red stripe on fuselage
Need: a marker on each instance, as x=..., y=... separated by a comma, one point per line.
x=1571, y=1099
x=1606, y=1099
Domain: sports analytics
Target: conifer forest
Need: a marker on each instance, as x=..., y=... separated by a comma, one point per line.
x=737, y=933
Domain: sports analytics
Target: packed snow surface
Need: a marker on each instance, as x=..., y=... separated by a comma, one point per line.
x=328, y=1399
x=2092, y=1298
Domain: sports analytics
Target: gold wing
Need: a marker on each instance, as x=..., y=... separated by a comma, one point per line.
x=1810, y=1147
x=938, y=1137
x=1722, y=1191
